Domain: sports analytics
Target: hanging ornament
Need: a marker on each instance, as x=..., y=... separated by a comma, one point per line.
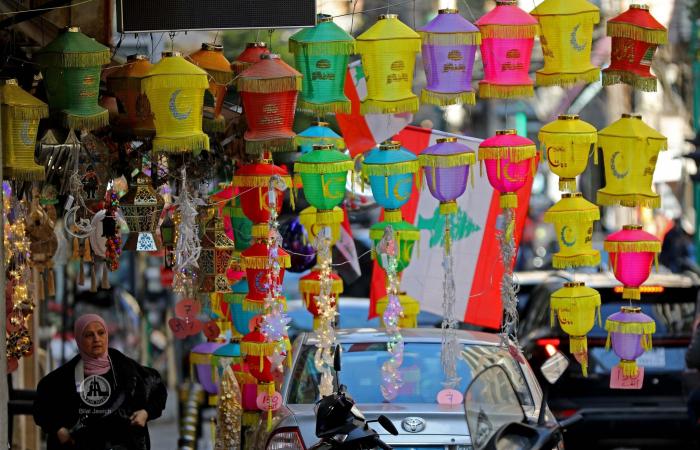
x=310, y=288
x=256, y=264
x=635, y=35
x=632, y=251
x=576, y=307
x=211, y=58
x=269, y=91
x=391, y=170
x=187, y=241
x=125, y=84
x=326, y=303
x=295, y=239
x=241, y=226
x=566, y=38
x=71, y=65
x=175, y=89
x=629, y=332
x=229, y=412
x=250, y=56
x=449, y=50
x=307, y=218
x=507, y=37
x=217, y=250
x=446, y=166
x=319, y=133
x=405, y=236
x=240, y=317
x=253, y=180
x=630, y=151
x=410, y=309
x=508, y=158
x=229, y=352
x=573, y=218
x=141, y=207
x=321, y=54
x=566, y=145
x=388, y=49
x=203, y=368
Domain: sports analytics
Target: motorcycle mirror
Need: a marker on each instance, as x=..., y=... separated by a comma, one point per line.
x=387, y=424
x=554, y=367
x=336, y=359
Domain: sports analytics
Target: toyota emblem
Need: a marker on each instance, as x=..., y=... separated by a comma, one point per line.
x=413, y=424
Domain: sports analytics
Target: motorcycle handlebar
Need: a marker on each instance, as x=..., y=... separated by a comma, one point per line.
x=570, y=421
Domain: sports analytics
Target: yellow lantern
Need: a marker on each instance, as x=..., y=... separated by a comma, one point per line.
x=566, y=144
x=411, y=309
x=308, y=219
x=630, y=150
x=388, y=49
x=175, y=89
x=567, y=37
x=573, y=218
x=576, y=306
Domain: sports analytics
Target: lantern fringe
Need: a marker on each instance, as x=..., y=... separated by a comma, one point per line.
x=629, y=31
x=579, y=215
x=376, y=234
x=578, y=344
x=339, y=142
x=447, y=98
x=325, y=108
x=488, y=90
x=514, y=154
x=263, y=262
x=217, y=125
x=267, y=85
x=630, y=200
x=643, y=328
x=372, y=106
x=508, y=201
x=629, y=368
x=567, y=184
x=448, y=208
x=569, y=262
x=324, y=167
x=450, y=39
x=567, y=79
x=250, y=418
x=262, y=348
x=314, y=286
x=257, y=181
x=179, y=81
x=509, y=31
x=631, y=293
x=250, y=305
x=81, y=59
x=285, y=144
x=184, y=144
x=564, y=140
x=385, y=170
x=29, y=112
x=325, y=48
x=35, y=173
x=92, y=122
x=219, y=77
x=447, y=161
x=645, y=84
x=632, y=247
x=393, y=215
x=330, y=217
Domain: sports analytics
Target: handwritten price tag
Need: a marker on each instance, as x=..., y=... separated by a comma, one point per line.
x=266, y=402
x=211, y=330
x=187, y=308
x=619, y=381
x=449, y=397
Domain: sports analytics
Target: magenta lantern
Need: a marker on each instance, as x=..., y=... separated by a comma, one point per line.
x=202, y=365
x=446, y=165
x=629, y=332
x=632, y=250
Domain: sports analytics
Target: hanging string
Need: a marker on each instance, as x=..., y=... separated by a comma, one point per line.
x=172, y=40
x=269, y=39
x=469, y=10
x=45, y=9
x=352, y=16
x=373, y=9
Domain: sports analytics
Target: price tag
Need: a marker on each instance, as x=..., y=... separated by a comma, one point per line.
x=188, y=308
x=211, y=330
x=266, y=402
x=619, y=381
x=177, y=326
x=450, y=397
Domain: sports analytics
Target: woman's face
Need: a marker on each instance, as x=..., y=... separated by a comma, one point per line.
x=94, y=340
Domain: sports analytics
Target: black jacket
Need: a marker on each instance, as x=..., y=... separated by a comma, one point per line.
x=57, y=405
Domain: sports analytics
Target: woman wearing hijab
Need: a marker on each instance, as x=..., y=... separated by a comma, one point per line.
x=99, y=400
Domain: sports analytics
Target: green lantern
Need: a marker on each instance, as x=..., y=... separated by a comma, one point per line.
x=321, y=54
x=406, y=237
x=71, y=65
x=241, y=225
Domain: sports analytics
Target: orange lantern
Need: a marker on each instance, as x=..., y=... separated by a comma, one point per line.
x=211, y=58
x=125, y=84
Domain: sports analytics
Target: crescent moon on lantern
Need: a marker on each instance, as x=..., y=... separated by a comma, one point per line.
x=564, y=230
x=24, y=133
x=613, y=167
x=552, y=162
x=327, y=190
x=259, y=285
x=173, y=106
x=574, y=39
x=509, y=177
x=398, y=184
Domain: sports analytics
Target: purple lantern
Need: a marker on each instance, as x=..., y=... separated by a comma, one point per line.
x=449, y=48
x=202, y=364
x=446, y=166
x=629, y=332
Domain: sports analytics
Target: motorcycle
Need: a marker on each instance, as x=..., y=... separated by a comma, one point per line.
x=496, y=417
x=340, y=425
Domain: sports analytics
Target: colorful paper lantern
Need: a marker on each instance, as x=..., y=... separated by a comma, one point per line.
x=256, y=349
x=240, y=317
x=71, y=65
x=388, y=50
x=507, y=37
x=635, y=36
x=391, y=170
x=308, y=216
x=175, y=89
x=256, y=262
x=631, y=251
x=269, y=91
x=241, y=226
x=629, y=332
x=630, y=151
x=251, y=55
x=254, y=181
x=449, y=50
x=125, y=84
x=220, y=313
x=573, y=218
x=211, y=58
x=508, y=159
x=310, y=288
x=202, y=368
x=230, y=351
x=566, y=35
x=321, y=54
x=319, y=133
x=21, y=113
x=576, y=306
x=141, y=207
x=410, y=306
x=406, y=236
x=566, y=145
x=446, y=166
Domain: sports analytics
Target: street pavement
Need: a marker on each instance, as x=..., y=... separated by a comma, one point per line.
x=165, y=431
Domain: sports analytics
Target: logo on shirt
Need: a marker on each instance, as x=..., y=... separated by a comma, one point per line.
x=95, y=390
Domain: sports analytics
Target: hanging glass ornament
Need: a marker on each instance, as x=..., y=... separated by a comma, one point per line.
x=410, y=306
x=141, y=207
x=573, y=218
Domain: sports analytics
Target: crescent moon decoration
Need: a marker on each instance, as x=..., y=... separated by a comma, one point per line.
x=552, y=162
x=563, y=233
x=327, y=190
x=398, y=184
x=613, y=168
x=508, y=176
x=24, y=133
x=173, y=106
x=259, y=285
x=574, y=39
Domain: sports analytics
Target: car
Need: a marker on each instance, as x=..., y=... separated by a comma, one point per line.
x=656, y=414
x=422, y=423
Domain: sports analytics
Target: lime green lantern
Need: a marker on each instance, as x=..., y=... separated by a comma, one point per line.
x=406, y=236
x=71, y=65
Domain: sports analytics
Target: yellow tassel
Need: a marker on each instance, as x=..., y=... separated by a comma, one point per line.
x=450, y=39
x=508, y=31
x=448, y=207
x=567, y=184
x=509, y=201
x=372, y=106
x=514, y=154
x=632, y=247
x=447, y=98
x=264, y=86
x=630, y=200
x=578, y=344
x=212, y=126
x=323, y=168
x=631, y=293
x=322, y=48
x=613, y=326
x=626, y=30
x=645, y=84
x=447, y=161
x=257, y=181
x=87, y=251
x=568, y=262
x=192, y=143
x=487, y=90
x=283, y=144
x=629, y=368
x=262, y=262
x=567, y=79
x=91, y=122
x=323, y=109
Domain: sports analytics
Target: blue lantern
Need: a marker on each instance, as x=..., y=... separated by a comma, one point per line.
x=391, y=170
x=239, y=316
x=319, y=133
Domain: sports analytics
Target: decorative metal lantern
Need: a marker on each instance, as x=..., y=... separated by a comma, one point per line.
x=388, y=49
x=211, y=58
x=391, y=170
x=21, y=113
x=507, y=37
x=125, y=84
x=573, y=218
x=175, y=89
x=446, y=166
x=256, y=262
x=631, y=251
x=630, y=151
x=321, y=54
x=566, y=144
x=215, y=257
x=202, y=368
x=410, y=306
x=141, y=207
x=629, y=332
x=254, y=179
x=71, y=65
x=449, y=50
x=251, y=55
x=635, y=36
x=406, y=236
x=310, y=288
x=319, y=133
x=566, y=38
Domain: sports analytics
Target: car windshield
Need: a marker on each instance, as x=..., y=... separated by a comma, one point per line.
x=421, y=372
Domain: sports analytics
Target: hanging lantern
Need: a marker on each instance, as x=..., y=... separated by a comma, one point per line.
x=573, y=218
x=257, y=350
x=406, y=236
x=566, y=38
x=508, y=158
x=251, y=55
x=141, y=207
x=576, y=306
x=631, y=251
x=629, y=332
x=240, y=318
x=310, y=288
x=566, y=144
x=630, y=150
x=319, y=133
x=635, y=35
x=307, y=218
x=446, y=167
x=241, y=226
x=256, y=261
x=220, y=313
x=211, y=58
x=215, y=257
x=125, y=84
x=391, y=169
x=507, y=37
x=230, y=351
x=254, y=180
x=202, y=368
x=269, y=91
x=388, y=49
x=410, y=306
x=449, y=50
x=21, y=113
x=71, y=65
x=321, y=54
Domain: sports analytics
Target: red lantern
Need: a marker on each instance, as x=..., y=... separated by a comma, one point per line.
x=310, y=287
x=256, y=261
x=256, y=351
x=254, y=180
x=251, y=55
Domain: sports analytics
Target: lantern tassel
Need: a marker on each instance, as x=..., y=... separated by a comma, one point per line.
x=631, y=293
x=508, y=200
x=632, y=247
x=217, y=125
x=262, y=262
x=487, y=90
x=567, y=79
x=266, y=86
x=613, y=326
x=35, y=173
x=186, y=144
x=448, y=98
x=568, y=262
x=326, y=108
x=282, y=144
x=29, y=112
x=629, y=368
x=509, y=31
x=514, y=154
x=447, y=161
x=339, y=143
x=630, y=200
x=629, y=31
x=270, y=393
x=91, y=122
x=371, y=106
x=450, y=39
x=256, y=306
x=257, y=181
x=325, y=48
x=323, y=169
x=567, y=184
x=74, y=59
x=645, y=84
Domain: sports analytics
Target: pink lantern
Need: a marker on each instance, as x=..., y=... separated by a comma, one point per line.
x=632, y=250
x=629, y=332
x=507, y=37
x=509, y=158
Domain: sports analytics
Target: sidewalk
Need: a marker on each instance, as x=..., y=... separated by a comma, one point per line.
x=165, y=431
